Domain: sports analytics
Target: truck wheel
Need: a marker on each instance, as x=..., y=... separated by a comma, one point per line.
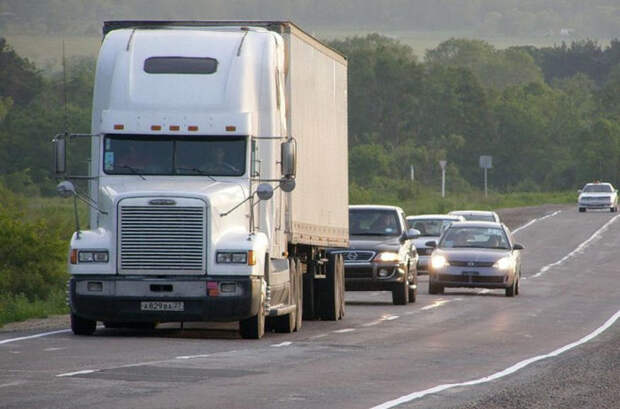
x=434, y=288
x=400, y=295
x=582, y=209
x=254, y=327
x=82, y=326
x=286, y=323
x=331, y=305
x=300, y=294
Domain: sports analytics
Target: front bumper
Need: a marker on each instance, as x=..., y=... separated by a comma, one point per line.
x=595, y=205
x=365, y=276
x=121, y=298
x=478, y=277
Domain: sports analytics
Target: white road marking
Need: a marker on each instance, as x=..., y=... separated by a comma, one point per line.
x=392, y=317
x=318, y=336
x=500, y=374
x=343, y=331
x=436, y=304
x=14, y=383
x=528, y=224
x=193, y=356
x=282, y=344
x=579, y=248
x=43, y=334
x=85, y=371
x=53, y=349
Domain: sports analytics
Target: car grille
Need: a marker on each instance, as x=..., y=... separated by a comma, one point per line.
x=471, y=263
x=425, y=251
x=356, y=256
x=162, y=239
x=358, y=272
x=471, y=279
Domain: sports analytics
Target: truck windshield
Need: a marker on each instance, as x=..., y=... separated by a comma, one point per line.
x=174, y=155
x=373, y=222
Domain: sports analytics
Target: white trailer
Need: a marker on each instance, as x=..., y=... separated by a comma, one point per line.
x=218, y=180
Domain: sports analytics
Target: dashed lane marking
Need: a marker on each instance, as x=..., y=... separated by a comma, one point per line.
x=343, y=331
x=282, y=344
x=83, y=372
x=528, y=224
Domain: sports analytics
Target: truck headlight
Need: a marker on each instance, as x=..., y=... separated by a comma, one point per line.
x=439, y=262
x=236, y=257
x=505, y=263
x=91, y=256
x=387, y=256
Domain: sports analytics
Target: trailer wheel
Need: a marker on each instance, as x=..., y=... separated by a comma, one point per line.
x=82, y=326
x=287, y=323
x=331, y=306
x=254, y=327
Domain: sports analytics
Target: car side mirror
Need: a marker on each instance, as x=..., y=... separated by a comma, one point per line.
x=518, y=247
x=432, y=244
x=413, y=234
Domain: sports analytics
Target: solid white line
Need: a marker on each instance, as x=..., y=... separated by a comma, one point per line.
x=193, y=356
x=44, y=334
x=501, y=374
x=436, y=304
x=318, y=336
x=579, y=248
x=86, y=371
x=528, y=224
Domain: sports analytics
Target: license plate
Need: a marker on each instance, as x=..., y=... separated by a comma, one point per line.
x=470, y=273
x=162, y=306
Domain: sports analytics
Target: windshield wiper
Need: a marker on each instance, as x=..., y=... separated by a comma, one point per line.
x=133, y=170
x=199, y=171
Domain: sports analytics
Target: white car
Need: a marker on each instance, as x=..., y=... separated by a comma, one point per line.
x=598, y=195
x=477, y=215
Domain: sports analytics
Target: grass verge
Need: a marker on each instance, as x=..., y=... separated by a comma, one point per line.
x=15, y=308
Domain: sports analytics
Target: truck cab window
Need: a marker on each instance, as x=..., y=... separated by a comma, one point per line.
x=174, y=155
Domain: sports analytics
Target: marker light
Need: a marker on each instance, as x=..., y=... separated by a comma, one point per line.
x=192, y=128
x=119, y=126
x=439, y=262
x=174, y=127
x=155, y=127
x=231, y=128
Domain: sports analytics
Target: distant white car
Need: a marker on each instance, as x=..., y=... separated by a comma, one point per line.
x=477, y=215
x=598, y=195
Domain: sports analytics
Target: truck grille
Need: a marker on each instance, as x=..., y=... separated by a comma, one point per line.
x=162, y=239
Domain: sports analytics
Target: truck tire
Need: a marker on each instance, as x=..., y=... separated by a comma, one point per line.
x=331, y=305
x=82, y=326
x=400, y=294
x=582, y=209
x=254, y=327
x=300, y=294
x=287, y=323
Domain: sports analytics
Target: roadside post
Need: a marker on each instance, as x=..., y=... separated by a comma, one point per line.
x=443, y=163
x=486, y=162
x=412, y=174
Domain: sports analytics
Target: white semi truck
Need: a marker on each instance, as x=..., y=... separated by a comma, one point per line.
x=217, y=181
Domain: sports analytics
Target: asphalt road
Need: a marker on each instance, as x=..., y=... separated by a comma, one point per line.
x=467, y=348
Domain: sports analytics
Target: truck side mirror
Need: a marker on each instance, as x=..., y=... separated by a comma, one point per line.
x=264, y=191
x=287, y=185
x=65, y=189
x=60, y=156
x=289, y=158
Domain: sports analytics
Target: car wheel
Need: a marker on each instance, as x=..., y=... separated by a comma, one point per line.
x=434, y=288
x=413, y=292
x=582, y=210
x=400, y=295
x=512, y=290
x=517, y=287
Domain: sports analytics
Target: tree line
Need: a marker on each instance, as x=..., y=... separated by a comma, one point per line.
x=594, y=18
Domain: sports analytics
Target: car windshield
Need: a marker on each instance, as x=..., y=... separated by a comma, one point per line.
x=373, y=222
x=430, y=227
x=479, y=217
x=597, y=189
x=174, y=155
x=476, y=237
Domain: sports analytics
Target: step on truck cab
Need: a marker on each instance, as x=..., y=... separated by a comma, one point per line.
x=217, y=180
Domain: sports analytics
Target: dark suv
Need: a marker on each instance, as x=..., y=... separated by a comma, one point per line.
x=381, y=256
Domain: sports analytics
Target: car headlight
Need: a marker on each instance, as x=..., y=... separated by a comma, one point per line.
x=387, y=256
x=236, y=257
x=438, y=262
x=505, y=263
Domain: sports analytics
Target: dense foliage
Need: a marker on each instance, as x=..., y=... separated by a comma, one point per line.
x=544, y=18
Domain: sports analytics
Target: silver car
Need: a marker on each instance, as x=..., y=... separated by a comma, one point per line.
x=598, y=196
x=430, y=227
x=475, y=254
